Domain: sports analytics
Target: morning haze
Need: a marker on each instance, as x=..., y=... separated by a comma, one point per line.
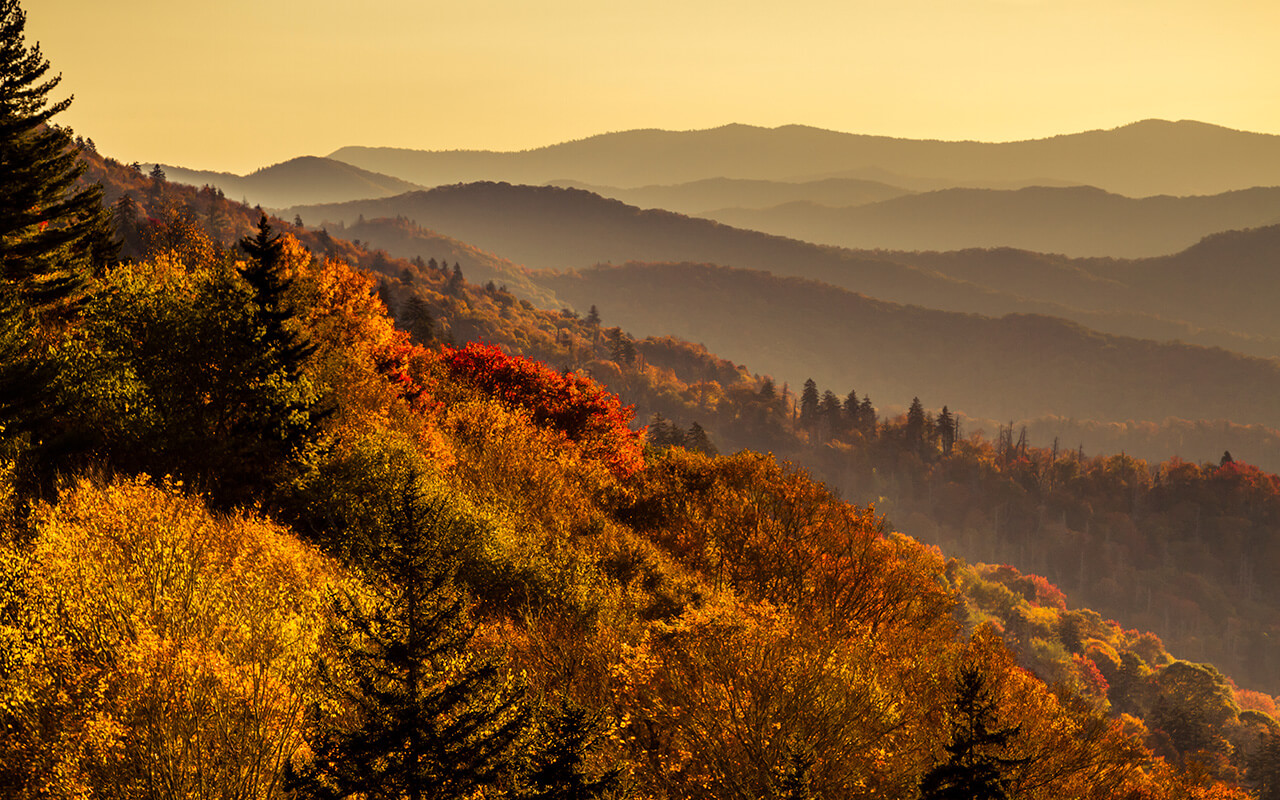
x=262, y=82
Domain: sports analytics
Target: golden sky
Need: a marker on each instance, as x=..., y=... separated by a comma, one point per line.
x=236, y=85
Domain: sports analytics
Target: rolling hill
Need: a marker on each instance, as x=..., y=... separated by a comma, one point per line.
x=1013, y=367
x=307, y=179
x=698, y=197
x=556, y=228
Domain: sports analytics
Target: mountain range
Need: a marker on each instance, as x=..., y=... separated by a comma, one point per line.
x=558, y=229
x=1145, y=158
x=1075, y=221
x=1014, y=367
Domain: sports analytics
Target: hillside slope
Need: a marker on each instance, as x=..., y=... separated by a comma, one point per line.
x=555, y=228
x=1016, y=367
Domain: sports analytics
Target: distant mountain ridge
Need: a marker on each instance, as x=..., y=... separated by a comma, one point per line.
x=1141, y=159
x=1012, y=367
x=1078, y=221
x=307, y=179
x=698, y=197
x=559, y=229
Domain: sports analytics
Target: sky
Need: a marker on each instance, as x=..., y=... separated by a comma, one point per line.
x=236, y=85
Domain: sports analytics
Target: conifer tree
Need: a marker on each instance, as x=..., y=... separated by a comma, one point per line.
x=698, y=440
x=829, y=411
x=50, y=232
x=976, y=768
x=427, y=719
x=768, y=391
x=946, y=430
x=916, y=424
x=558, y=771
x=867, y=416
x=418, y=320
x=809, y=399
x=850, y=408
x=457, y=284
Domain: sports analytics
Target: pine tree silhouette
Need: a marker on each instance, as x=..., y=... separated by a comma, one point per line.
x=428, y=718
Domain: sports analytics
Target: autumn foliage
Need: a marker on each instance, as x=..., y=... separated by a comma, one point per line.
x=576, y=406
x=715, y=627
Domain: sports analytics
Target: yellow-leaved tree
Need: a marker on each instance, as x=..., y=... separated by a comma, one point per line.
x=174, y=649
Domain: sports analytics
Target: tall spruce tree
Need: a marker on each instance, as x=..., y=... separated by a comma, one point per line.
x=809, y=399
x=417, y=319
x=977, y=767
x=51, y=233
x=426, y=718
x=947, y=431
x=558, y=769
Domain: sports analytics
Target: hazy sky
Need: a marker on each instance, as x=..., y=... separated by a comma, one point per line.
x=240, y=84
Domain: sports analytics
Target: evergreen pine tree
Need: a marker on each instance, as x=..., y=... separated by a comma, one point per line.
x=558, y=770
x=270, y=287
x=457, y=284
x=976, y=768
x=946, y=430
x=915, y=429
x=829, y=412
x=850, y=409
x=809, y=399
x=51, y=234
x=867, y=416
x=768, y=390
x=427, y=719
x=698, y=440
x=418, y=320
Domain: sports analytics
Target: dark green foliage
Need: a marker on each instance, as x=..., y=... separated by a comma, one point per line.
x=428, y=718
x=50, y=233
x=1264, y=766
x=270, y=291
x=558, y=770
x=417, y=320
x=204, y=378
x=916, y=426
x=457, y=284
x=809, y=403
x=976, y=768
x=27, y=397
x=946, y=426
x=1193, y=706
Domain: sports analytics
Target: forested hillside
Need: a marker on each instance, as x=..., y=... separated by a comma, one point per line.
x=257, y=541
x=1014, y=367
x=550, y=228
